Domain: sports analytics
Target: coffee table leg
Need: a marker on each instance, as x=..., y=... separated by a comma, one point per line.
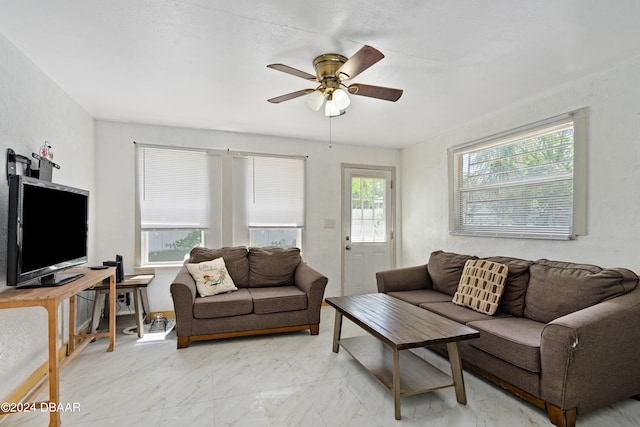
x=396, y=382
x=456, y=372
x=337, y=331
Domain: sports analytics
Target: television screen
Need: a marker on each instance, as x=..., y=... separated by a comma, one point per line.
x=48, y=226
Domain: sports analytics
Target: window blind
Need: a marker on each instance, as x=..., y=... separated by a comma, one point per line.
x=173, y=188
x=275, y=190
x=518, y=185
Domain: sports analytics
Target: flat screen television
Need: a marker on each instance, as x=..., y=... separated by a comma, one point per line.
x=47, y=232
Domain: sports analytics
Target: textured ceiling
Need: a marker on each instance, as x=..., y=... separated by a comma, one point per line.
x=202, y=63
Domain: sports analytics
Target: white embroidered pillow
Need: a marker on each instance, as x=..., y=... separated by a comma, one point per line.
x=211, y=277
x=481, y=286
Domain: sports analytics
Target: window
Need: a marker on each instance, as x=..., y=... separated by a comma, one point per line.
x=275, y=200
x=189, y=198
x=173, y=193
x=528, y=182
x=368, y=210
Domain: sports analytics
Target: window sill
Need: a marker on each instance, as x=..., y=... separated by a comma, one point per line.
x=506, y=235
x=152, y=268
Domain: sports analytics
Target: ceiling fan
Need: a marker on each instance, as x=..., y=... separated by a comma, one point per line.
x=331, y=70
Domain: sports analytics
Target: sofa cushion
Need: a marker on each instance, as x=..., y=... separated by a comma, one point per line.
x=272, y=266
x=558, y=288
x=420, y=296
x=514, y=340
x=515, y=288
x=458, y=313
x=223, y=305
x=445, y=270
x=278, y=299
x=481, y=286
x=211, y=277
x=235, y=258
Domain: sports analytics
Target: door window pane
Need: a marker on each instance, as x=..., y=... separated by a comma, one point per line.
x=368, y=211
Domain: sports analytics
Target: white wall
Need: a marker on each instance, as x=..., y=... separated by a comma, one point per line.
x=34, y=109
x=116, y=191
x=613, y=98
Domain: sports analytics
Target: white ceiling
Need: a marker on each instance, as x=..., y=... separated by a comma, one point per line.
x=202, y=63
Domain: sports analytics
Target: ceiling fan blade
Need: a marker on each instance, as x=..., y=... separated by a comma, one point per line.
x=363, y=59
x=291, y=70
x=292, y=95
x=385, y=93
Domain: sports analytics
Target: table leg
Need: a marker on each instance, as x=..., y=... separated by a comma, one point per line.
x=98, y=305
x=137, y=301
x=337, y=331
x=456, y=372
x=145, y=304
x=112, y=312
x=54, y=378
x=396, y=382
x=71, y=346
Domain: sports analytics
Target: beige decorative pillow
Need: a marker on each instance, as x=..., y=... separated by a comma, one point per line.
x=211, y=277
x=481, y=286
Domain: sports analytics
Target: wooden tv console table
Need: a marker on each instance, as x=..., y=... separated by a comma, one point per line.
x=49, y=299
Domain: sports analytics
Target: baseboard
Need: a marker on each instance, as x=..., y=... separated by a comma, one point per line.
x=167, y=314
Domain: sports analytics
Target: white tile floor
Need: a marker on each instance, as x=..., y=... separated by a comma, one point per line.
x=280, y=380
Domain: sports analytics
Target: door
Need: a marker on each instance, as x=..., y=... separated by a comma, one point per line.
x=367, y=227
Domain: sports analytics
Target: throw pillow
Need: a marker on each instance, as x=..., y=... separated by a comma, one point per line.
x=481, y=286
x=515, y=287
x=211, y=277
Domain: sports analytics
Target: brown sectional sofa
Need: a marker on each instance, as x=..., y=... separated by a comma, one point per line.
x=566, y=336
x=277, y=292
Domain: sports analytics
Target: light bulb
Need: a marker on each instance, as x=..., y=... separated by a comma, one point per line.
x=330, y=109
x=315, y=99
x=341, y=99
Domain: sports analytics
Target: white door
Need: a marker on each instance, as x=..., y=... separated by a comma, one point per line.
x=367, y=230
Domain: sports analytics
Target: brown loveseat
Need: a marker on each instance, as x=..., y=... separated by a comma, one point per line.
x=566, y=336
x=277, y=292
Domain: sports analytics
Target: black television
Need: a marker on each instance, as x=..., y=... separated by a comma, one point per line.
x=47, y=232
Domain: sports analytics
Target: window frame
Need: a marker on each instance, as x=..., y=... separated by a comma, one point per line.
x=578, y=219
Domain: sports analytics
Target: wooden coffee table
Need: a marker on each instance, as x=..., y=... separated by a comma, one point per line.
x=398, y=325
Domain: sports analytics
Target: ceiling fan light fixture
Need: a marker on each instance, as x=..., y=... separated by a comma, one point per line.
x=332, y=70
x=315, y=99
x=341, y=99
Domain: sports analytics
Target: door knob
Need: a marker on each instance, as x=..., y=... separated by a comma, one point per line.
x=348, y=247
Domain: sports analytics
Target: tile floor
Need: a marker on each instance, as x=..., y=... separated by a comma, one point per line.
x=280, y=380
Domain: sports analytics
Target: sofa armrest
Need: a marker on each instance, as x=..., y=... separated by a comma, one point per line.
x=404, y=279
x=589, y=358
x=183, y=292
x=313, y=284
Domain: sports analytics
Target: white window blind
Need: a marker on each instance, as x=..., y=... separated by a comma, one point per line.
x=173, y=188
x=519, y=184
x=275, y=191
